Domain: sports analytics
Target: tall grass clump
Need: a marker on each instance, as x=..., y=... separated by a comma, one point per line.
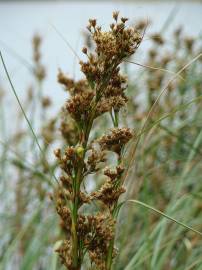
x=24, y=160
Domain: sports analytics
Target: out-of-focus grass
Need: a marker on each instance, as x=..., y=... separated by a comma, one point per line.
x=165, y=171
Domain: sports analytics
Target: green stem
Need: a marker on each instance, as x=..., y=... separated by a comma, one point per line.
x=109, y=259
x=75, y=240
x=110, y=254
x=116, y=119
x=79, y=177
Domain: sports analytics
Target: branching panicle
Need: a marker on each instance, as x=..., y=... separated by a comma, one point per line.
x=102, y=91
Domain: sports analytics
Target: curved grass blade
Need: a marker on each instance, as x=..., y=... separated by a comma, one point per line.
x=166, y=216
x=19, y=103
x=23, y=112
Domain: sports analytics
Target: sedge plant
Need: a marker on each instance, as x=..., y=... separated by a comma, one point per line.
x=92, y=234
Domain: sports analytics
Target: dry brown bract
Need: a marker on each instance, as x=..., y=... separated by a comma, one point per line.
x=116, y=140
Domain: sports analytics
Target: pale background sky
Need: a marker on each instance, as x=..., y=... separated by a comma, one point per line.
x=20, y=20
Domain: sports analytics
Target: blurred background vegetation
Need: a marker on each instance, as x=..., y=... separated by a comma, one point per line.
x=39, y=37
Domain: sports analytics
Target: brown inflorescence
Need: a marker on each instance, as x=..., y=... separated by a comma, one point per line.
x=116, y=140
x=39, y=70
x=102, y=91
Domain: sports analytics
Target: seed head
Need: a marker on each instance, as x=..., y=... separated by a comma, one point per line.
x=84, y=50
x=115, y=15
x=92, y=22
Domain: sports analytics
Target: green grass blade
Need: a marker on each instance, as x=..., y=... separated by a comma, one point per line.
x=166, y=216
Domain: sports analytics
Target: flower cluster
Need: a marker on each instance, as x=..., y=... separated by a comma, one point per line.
x=116, y=140
x=102, y=91
x=39, y=70
x=95, y=232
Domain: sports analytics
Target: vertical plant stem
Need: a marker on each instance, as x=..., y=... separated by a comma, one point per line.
x=109, y=258
x=75, y=240
x=110, y=255
x=77, y=260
